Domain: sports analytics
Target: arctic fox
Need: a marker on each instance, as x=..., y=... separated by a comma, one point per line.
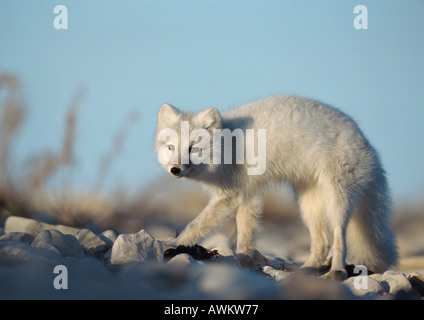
x=336, y=176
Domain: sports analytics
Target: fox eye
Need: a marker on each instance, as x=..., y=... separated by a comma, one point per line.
x=193, y=149
x=171, y=147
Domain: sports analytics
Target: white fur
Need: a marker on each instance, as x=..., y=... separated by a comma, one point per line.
x=335, y=173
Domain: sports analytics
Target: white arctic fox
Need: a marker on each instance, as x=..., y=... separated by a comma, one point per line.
x=335, y=173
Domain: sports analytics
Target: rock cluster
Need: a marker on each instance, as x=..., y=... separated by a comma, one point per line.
x=27, y=239
x=108, y=265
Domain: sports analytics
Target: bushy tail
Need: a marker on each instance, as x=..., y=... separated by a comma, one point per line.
x=370, y=239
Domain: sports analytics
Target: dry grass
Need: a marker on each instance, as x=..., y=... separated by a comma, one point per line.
x=116, y=150
x=44, y=166
x=28, y=194
x=12, y=114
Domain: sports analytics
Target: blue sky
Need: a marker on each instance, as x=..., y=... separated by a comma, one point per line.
x=136, y=55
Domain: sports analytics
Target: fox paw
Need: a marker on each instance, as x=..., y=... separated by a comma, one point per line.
x=255, y=259
x=339, y=275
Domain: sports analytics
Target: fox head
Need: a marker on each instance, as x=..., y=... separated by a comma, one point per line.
x=182, y=140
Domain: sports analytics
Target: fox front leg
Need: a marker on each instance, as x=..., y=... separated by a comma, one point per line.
x=217, y=210
x=247, y=218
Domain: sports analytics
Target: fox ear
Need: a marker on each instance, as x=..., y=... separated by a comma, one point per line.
x=167, y=115
x=209, y=118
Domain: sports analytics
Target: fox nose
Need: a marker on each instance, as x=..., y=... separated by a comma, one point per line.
x=175, y=171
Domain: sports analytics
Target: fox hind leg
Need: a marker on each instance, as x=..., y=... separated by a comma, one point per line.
x=340, y=206
x=312, y=208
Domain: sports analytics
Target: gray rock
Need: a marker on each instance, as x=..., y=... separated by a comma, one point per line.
x=15, y=252
x=18, y=236
x=136, y=247
x=47, y=250
x=20, y=224
x=108, y=236
x=377, y=276
x=417, y=281
x=364, y=285
x=54, y=244
x=92, y=244
x=397, y=281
